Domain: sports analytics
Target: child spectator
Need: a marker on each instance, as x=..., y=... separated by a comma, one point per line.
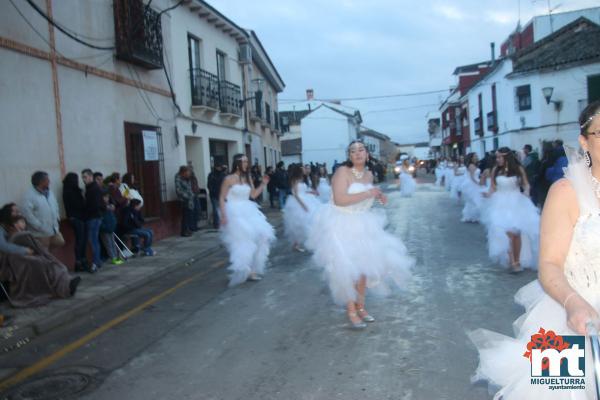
x=133, y=224
x=107, y=229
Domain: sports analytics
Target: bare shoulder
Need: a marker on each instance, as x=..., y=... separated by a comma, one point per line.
x=562, y=196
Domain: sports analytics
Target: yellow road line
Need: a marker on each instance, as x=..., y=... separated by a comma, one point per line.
x=51, y=359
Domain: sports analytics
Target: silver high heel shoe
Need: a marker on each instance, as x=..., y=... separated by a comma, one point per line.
x=357, y=326
x=366, y=317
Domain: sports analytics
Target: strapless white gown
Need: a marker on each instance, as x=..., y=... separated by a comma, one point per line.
x=296, y=220
x=408, y=185
x=502, y=362
x=457, y=182
x=247, y=235
x=350, y=242
x=473, y=196
x=324, y=190
x=509, y=210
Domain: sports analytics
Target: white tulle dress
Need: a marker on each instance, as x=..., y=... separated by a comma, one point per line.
x=448, y=176
x=457, y=182
x=350, y=242
x=473, y=196
x=502, y=362
x=247, y=235
x=324, y=190
x=509, y=210
x=296, y=220
x=408, y=185
x=439, y=174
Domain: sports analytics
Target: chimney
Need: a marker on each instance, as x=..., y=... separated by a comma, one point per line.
x=310, y=94
x=493, y=47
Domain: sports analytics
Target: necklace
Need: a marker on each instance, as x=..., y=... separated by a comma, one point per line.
x=358, y=175
x=596, y=186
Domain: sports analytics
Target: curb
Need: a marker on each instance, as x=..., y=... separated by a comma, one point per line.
x=26, y=333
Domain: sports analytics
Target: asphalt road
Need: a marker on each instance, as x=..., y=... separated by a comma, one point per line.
x=283, y=338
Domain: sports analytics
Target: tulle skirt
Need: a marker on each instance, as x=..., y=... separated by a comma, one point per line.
x=456, y=186
x=439, y=174
x=296, y=220
x=474, y=200
x=448, y=178
x=511, y=211
x=348, y=245
x=247, y=236
x=408, y=185
x=501, y=360
x=324, y=192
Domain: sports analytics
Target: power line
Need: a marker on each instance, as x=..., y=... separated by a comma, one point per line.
x=371, y=97
x=64, y=31
x=401, y=109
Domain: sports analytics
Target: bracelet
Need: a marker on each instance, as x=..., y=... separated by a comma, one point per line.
x=568, y=298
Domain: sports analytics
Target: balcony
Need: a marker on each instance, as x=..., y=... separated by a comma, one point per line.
x=205, y=91
x=492, y=121
x=138, y=34
x=255, y=108
x=230, y=100
x=267, y=114
x=477, y=126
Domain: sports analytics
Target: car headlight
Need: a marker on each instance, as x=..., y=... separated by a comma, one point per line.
x=397, y=169
x=411, y=169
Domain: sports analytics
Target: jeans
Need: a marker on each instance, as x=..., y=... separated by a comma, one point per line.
x=93, y=232
x=143, y=233
x=215, y=212
x=282, y=197
x=109, y=245
x=196, y=213
x=80, y=238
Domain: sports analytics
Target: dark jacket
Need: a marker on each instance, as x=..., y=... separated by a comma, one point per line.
x=131, y=219
x=116, y=196
x=281, y=179
x=74, y=203
x=109, y=222
x=214, y=182
x=94, y=205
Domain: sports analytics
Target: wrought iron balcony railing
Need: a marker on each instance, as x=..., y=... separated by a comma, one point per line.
x=205, y=88
x=231, y=98
x=138, y=33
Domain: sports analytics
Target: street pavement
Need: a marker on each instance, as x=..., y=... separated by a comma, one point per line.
x=283, y=338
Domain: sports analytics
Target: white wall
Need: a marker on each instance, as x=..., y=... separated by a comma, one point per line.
x=542, y=122
x=325, y=136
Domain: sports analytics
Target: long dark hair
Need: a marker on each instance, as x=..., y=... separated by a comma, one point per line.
x=511, y=164
x=237, y=165
x=128, y=179
x=71, y=182
x=587, y=115
x=469, y=159
x=295, y=174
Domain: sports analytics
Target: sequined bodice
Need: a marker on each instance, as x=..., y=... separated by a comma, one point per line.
x=239, y=192
x=364, y=205
x=582, y=265
x=507, y=183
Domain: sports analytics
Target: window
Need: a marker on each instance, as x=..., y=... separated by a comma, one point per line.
x=523, y=97
x=194, y=52
x=221, y=59
x=593, y=83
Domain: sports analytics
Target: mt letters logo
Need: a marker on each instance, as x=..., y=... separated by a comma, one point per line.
x=557, y=362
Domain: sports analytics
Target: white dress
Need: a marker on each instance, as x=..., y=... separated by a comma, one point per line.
x=473, y=196
x=501, y=357
x=324, y=190
x=350, y=242
x=297, y=221
x=457, y=182
x=247, y=235
x=439, y=174
x=509, y=210
x=408, y=184
x=448, y=176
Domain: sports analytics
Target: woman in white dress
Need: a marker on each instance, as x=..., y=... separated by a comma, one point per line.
x=511, y=218
x=439, y=172
x=299, y=209
x=472, y=190
x=567, y=295
x=408, y=184
x=449, y=174
x=244, y=228
x=456, y=185
x=350, y=243
x=324, y=188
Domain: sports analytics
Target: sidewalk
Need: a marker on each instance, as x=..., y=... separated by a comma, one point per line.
x=109, y=283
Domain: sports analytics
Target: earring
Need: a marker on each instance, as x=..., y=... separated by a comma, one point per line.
x=587, y=158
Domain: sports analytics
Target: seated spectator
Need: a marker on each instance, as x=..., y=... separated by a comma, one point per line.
x=132, y=223
x=107, y=229
x=116, y=197
x=129, y=188
x=33, y=274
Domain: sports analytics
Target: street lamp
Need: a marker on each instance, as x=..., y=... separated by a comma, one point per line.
x=548, y=91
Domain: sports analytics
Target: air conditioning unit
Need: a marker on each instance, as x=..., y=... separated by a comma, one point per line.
x=245, y=54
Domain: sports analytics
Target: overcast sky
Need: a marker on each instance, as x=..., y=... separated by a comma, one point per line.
x=358, y=48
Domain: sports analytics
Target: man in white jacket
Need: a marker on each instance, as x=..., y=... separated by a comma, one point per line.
x=40, y=209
